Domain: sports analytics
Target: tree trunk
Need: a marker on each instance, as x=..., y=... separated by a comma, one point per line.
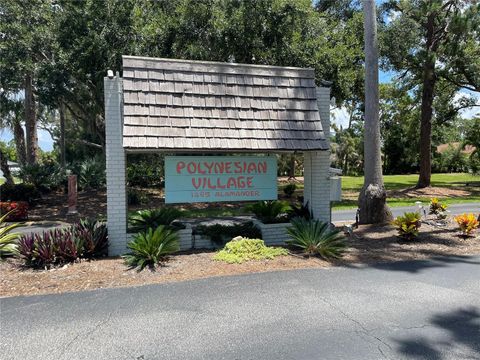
x=19, y=137
x=427, y=109
x=30, y=121
x=5, y=169
x=426, y=128
x=291, y=170
x=63, y=157
x=372, y=198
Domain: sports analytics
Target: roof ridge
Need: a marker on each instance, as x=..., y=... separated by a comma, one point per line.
x=128, y=61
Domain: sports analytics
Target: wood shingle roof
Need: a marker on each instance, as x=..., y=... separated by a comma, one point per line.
x=197, y=105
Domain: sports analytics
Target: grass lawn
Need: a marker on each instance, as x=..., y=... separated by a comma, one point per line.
x=353, y=184
x=395, y=202
x=396, y=182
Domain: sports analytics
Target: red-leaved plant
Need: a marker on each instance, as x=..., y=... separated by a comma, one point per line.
x=18, y=210
x=88, y=239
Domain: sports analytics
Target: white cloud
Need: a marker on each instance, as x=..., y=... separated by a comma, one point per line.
x=392, y=15
x=470, y=112
x=339, y=116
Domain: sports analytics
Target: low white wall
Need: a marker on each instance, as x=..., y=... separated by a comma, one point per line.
x=185, y=238
x=274, y=234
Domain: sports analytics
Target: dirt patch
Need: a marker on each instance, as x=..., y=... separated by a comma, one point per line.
x=368, y=245
x=54, y=206
x=373, y=244
x=112, y=272
x=429, y=192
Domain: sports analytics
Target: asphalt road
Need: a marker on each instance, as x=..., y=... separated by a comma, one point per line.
x=410, y=310
x=455, y=209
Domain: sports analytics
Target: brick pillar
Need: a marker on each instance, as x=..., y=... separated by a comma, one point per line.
x=323, y=103
x=317, y=165
x=116, y=179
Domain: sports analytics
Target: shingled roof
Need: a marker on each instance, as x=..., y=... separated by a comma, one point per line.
x=198, y=105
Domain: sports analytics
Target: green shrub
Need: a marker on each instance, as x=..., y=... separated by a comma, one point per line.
x=151, y=247
x=145, y=174
x=136, y=197
x=451, y=160
x=408, y=225
x=270, y=212
x=219, y=234
x=92, y=173
x=300, y=211
x=19, y=192
x=145, y=219
x=7, y=238
x=44, y=177
x=241, y=249
x=289, y=189
x=316, y=238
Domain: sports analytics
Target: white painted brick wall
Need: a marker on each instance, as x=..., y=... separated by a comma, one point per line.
x=115, y=158
x=273, y=234
x=317, y=165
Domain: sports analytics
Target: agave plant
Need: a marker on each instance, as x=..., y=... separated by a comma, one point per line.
x=7, y=238
x=270, y=212
x=145, y=219
x=316, y=238
x=151, y=247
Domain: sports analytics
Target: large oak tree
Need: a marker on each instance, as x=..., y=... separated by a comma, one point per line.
x=428, y=42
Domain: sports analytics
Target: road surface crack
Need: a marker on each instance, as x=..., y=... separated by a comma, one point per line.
x=96, y=327
x=363, y=330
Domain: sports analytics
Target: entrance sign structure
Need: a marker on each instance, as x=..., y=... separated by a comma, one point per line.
x=186, y=107
x=220, y=178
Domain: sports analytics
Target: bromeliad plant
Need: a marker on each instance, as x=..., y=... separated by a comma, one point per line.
x=151, y=247
x=8, y=239
x=467, y=223
x=437, y=208
x=316, y=238
x=408, y=225
x=93, y=236
x=85, y=240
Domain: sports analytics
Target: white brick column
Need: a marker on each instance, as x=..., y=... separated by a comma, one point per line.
x=116, y=179
x=317, y=165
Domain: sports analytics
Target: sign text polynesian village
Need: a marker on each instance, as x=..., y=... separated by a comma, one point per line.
x=220, y=178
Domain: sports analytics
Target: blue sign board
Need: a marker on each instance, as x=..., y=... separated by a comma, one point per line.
x=220, y=178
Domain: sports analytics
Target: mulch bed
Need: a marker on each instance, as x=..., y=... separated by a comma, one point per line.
x=368, y=245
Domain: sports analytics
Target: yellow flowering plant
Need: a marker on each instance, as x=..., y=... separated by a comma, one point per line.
x=408, y=225
x=467, y=223
x=436, y=207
